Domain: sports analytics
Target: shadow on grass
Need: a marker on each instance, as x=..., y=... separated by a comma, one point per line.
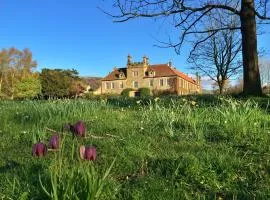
x=10, y=165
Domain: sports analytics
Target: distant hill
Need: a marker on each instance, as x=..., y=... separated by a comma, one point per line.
x=93, y=82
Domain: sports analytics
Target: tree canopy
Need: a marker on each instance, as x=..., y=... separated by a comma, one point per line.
x=17, y=76
x=60, y=83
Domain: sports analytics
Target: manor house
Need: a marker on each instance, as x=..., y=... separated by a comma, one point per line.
x=158, y=77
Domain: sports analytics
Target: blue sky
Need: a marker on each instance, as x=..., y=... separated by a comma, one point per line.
x=75, y=34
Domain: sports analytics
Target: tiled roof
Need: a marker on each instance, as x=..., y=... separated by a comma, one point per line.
x=161, y=70
x=114, y=75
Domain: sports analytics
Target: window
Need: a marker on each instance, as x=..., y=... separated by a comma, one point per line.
x=135, y=84
x=121, y=75
x=151, y=83
x=121, y=85
x=167, y=82
x=113, y=85
x=151, y=73
x=108, y=86
x=161, y=82
x=135, y=73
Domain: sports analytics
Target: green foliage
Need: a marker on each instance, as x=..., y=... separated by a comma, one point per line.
x=126, y=91
x=157, y=92
x=59, y=83
x=80, y=181
x=145, y=92
x=16, y=68
x=28, y=88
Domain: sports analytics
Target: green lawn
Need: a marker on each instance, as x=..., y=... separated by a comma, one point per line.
x=167, y=148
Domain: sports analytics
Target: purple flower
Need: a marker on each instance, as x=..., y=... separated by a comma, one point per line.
x=39, y=149
x=88, y=153
x=54, y=142
x=78, y=129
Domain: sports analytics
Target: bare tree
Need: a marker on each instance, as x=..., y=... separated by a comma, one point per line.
x=189, y=16
x=218, y=57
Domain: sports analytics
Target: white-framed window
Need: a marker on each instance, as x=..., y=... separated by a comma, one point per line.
x=121, y=84
x=135, y=84
x=135, y=73
x=167, y=82
x=161, y=82
x=151, y=83
x=112, y=85
x=121, y=75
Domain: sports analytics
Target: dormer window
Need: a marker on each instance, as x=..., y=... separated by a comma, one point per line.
x=121, y=75
x=151, y=73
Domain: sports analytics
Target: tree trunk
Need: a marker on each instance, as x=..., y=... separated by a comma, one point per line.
x=221, y=86
x=252, y=82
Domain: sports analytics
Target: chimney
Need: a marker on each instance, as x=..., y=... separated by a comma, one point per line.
x=198, y=78
x=129, y=59
x=145, y=61
x=170, y=63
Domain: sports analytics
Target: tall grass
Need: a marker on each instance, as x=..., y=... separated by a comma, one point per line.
x=81, y=180
x=167, y=148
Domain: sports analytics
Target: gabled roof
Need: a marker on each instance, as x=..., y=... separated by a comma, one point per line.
x=161, y=70
x=114, y=75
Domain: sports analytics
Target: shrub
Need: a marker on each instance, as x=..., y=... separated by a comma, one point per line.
x=167, y=92
x=126, y=91
x=145, y=92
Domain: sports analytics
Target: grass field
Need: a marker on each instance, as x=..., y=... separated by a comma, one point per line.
x=167, y=148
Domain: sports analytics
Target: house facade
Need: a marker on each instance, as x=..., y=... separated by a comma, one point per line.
x=159, y=77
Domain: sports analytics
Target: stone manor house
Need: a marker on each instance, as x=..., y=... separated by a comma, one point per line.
x=158, y=77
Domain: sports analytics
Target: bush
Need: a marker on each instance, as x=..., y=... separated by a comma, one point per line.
x=126, y=91
x=167, y=92
x=145, y=92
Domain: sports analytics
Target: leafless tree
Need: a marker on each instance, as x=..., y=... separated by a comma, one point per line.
x=218, y=57
x=189, y=16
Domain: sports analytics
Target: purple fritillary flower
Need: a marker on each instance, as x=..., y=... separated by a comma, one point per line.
x=78, y=129
x=88, y=153
x=39, y=149
x=54, y=142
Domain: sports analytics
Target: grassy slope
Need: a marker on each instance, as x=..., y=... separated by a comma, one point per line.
x=171, y=149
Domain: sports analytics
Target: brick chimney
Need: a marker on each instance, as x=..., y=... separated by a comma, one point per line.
x=198, y=78
x=170, y=63
x=198, y=81
x=129, y=59
x=145, y=61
